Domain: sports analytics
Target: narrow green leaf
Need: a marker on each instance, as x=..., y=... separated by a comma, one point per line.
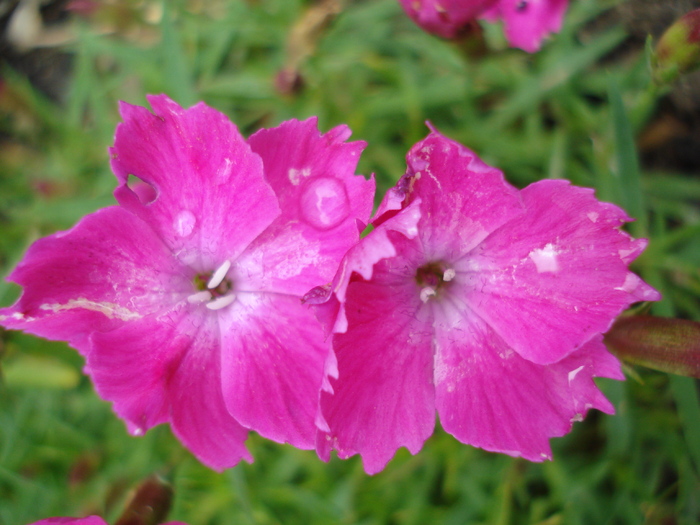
x=627, y=181
x=177, y=73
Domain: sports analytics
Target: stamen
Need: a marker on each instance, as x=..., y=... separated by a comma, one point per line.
x=221, y=302
x=199, y=297
x=449, y=274
x=219, y=275
x=425, y=294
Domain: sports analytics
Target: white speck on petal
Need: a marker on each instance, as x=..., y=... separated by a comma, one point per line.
x=574, y=373
x=111, y=310
x=577, y=417
x=224, y=171
x=426, y=293
x=630, y=284
x=545, y=259
x=19, y=316
x=221, y=302
x=219, y=275
x=199, y=297
x=449, y=274
x=295, y=175
x=624, y=254
x=184, y=223
x=593, y=216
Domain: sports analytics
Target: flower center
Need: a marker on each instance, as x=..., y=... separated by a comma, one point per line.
x=214, y=289
x=432, y=277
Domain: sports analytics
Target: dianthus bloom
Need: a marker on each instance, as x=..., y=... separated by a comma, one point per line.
x=477, y=300
x=185, y=298
x=90, y=520
x=527, y=22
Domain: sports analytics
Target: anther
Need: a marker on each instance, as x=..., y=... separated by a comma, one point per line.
x=199, y=297
x=449, y=274
x=426, y=293
x=219, y=275
x=221, y=302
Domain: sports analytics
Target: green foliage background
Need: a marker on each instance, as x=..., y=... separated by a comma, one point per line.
x=573, y=110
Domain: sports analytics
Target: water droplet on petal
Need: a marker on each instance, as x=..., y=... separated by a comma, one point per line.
x=184, y=223
x=324, y=203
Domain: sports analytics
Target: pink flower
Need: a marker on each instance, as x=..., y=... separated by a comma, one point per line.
x=185, y=298
x=90, y=520
x=527, y=22
x=445, y=18
x=477, y=300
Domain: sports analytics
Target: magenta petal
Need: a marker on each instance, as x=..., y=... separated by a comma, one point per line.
x=556, y=276
x=168, y=370
x=107, y=270
x=131, y=366
x=329, y=301
x=90, y=520
x=383, y=398
x=528, y=22
x=445, y=18
x=463, y=200
x=322, y=201
x=198, y=164
x=273, y=366
x=199, y=417
x=489, y=397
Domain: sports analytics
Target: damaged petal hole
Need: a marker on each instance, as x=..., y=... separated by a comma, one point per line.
x=146, y=193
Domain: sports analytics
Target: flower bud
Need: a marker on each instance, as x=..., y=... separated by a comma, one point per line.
x=149, y=505
x=678, y=50
x=668, y=345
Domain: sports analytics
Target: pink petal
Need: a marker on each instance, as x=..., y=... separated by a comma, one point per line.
x=556, y=276
x=463, y=199
x=329, y=301
x=168, y=369
x=199, y=417
x=383, y=397
x=490, y=397
x=445, y=18
x=90, y=520
x=107, y=270
x=528, y=22
x=273, y=366
x=199, y=166
x=132, y=366
x=322, y=201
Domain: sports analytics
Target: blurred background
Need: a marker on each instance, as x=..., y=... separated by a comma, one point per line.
x=583, y=109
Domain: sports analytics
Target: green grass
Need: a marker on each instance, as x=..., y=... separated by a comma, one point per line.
x=568, y=111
